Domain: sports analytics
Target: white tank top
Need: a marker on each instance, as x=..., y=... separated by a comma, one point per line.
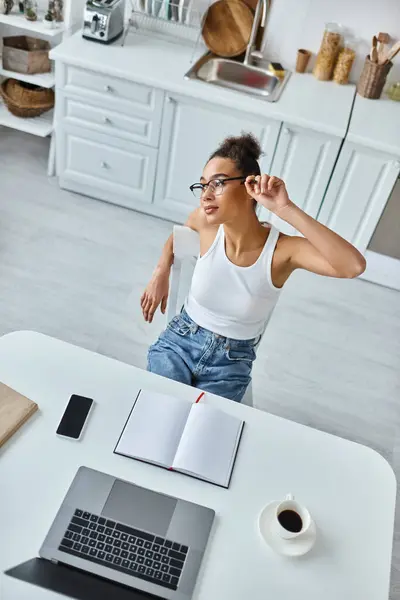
x=232, y=301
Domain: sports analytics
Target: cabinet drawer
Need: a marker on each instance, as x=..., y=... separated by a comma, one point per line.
x=111, y=169
x=110, y=92
x=140, y=129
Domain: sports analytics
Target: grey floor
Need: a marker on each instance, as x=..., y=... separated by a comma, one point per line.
x=74, y=268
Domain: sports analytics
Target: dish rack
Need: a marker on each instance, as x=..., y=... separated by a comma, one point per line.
x=178, y=21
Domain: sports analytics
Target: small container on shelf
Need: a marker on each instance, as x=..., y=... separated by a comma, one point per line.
x=6, y=6
x=30, y=10
x=345, y=61
x=303, y=57
x=48, y=21
x=328, y=52
x=58, y=11
x=24, y=54
x=394, y=91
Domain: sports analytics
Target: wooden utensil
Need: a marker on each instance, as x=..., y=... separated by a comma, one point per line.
x=392, y=52
x=383, y=40
x=251, y=4
x=227, y=27
x=374, y=51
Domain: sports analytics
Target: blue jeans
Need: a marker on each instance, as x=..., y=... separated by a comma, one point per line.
x=190, y=354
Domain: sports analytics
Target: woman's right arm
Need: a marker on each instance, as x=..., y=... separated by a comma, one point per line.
x=156, y=291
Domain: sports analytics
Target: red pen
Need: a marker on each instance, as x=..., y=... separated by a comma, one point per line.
x=199, y=398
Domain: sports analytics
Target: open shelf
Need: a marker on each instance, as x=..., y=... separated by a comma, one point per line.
x=18, y=20
x=41, y=126
x=46, y=80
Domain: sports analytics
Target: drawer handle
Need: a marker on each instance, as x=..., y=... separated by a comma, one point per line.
x=104, y=165
x=107, y=121
x=170, y=100
x=108, y=89
x=286, y=130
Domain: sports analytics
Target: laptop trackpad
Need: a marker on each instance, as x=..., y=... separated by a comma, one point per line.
x=139, y=507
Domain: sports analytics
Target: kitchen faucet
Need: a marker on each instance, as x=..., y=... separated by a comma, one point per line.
x=262, y=5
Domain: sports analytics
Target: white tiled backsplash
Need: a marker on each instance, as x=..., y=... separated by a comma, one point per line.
x=294, y=24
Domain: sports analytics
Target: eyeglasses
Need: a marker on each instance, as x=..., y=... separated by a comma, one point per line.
x=216, y=186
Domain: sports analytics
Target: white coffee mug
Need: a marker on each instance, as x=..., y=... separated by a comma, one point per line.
x=301, y=518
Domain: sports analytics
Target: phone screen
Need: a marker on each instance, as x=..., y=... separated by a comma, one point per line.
x=74, y=416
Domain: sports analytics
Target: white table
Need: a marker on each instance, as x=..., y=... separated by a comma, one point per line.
x=349, y=489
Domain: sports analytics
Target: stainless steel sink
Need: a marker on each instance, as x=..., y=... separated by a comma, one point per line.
x=238, y=76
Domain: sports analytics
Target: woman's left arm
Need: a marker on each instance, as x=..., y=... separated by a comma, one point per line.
x=321, y=250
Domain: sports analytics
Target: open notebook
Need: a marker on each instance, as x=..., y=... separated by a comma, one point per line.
x=194, y=439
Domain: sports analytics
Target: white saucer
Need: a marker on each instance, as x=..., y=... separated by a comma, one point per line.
x=295, y=547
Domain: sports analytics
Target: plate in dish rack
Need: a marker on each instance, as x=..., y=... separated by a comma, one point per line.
x=183, y=10
x=157, y=6
x=174, y=9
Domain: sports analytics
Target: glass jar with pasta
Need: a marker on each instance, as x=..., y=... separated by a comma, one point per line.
x=345, y=61
x=328, y=52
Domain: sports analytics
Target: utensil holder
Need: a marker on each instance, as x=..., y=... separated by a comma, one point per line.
x=373, y=79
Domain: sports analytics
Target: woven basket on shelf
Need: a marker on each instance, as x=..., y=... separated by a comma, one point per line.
x=26, y=100
x=372, y=79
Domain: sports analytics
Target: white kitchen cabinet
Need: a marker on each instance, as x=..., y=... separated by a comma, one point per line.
x=191, y=131
x=106, y=167
x=304, y=159
x=109, y=104
x=358, y=191
x=137, y=94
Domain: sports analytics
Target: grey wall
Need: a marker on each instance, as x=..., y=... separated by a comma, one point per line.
x=386, y=239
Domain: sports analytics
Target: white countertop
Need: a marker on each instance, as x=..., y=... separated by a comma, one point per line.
x=349, y=489
x=307, y=102
x=376, y=124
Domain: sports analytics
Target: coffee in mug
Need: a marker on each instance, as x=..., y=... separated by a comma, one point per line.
x=292, y=518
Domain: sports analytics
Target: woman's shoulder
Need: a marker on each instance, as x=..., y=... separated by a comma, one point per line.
x=198, y=222
x=271, y=228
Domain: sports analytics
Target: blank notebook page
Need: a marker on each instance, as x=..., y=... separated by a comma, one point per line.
x=154, y=428
x=208, y=445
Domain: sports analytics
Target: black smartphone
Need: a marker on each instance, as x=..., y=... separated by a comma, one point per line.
x=75, y=416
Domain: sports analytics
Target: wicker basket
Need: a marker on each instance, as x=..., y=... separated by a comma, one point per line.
x=26, y=100
x=372, y=79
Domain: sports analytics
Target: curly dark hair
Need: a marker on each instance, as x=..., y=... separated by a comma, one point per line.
x=244, y=150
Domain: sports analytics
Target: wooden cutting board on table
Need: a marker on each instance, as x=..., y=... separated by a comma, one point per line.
x=227, y=27
x=15, y=409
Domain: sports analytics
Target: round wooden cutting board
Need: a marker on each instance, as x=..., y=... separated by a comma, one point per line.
x=227, y=27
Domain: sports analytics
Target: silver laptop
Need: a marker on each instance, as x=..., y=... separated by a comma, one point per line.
x=130, y=535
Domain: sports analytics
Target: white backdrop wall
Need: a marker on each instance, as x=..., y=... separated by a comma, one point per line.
x=294, y=24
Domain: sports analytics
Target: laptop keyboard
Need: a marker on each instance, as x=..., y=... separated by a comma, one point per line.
x=125, y=549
